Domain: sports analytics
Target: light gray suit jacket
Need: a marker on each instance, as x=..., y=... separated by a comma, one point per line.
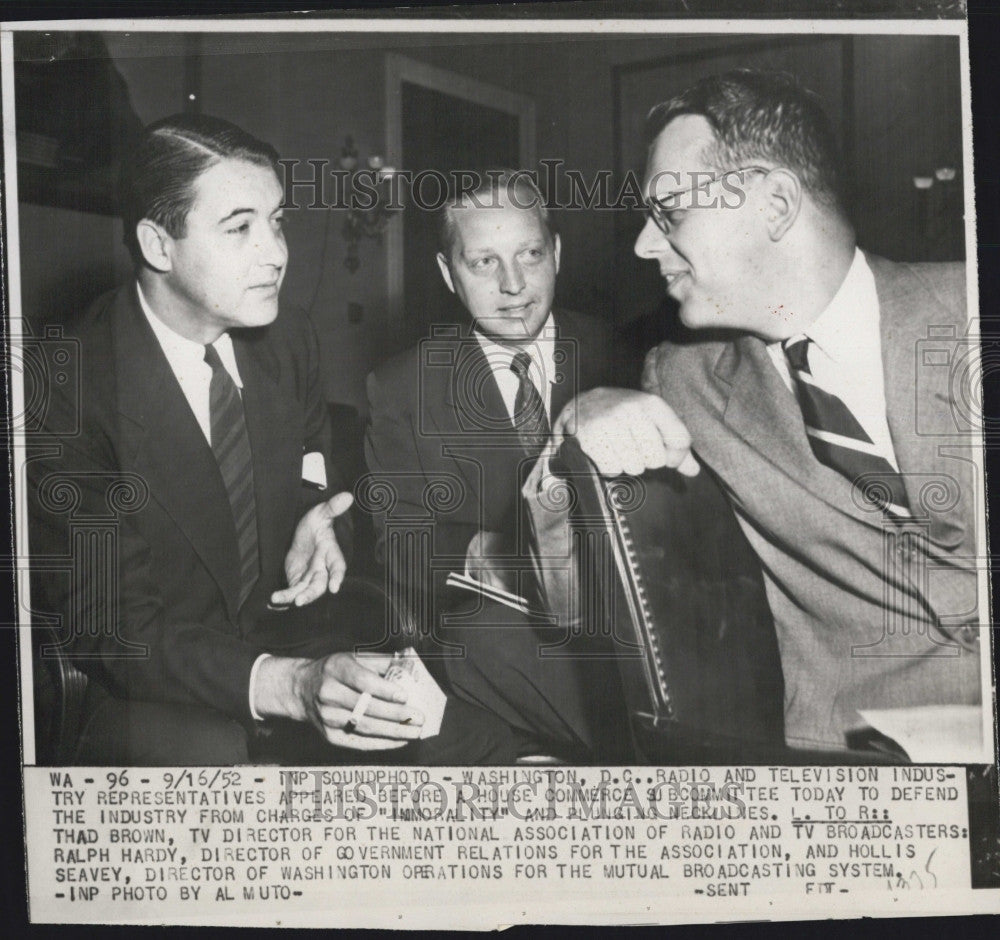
x=867, y=617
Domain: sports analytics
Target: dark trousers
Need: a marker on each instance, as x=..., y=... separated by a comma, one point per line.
x=563, y=691
x=158, y=734
x=142, y=733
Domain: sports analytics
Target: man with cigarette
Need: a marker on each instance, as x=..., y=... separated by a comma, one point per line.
x=201, y=400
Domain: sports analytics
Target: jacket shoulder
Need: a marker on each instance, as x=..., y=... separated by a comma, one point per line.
x=943, y=282
x=80, y=396
x=399, y=370
x=393, y=385
x=594, y=337
x=582, y=326
x=292, y=330
x=94, y=335
x=97, y=319
x=672, y=367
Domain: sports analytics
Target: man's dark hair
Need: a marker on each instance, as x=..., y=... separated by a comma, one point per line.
x=158, y=175
x=483, y=188
x=762, y=116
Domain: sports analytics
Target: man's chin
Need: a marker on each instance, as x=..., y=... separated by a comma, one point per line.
x=259, y=314
x=514, y=330
x=697, y=316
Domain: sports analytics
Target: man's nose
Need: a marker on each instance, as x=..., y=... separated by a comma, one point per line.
x=511, y=278
x=273, y=248
x=651, y=242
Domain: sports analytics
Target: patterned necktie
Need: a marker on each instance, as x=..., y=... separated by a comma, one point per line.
x=530, y=419
x=837, y=438
x=231, y=447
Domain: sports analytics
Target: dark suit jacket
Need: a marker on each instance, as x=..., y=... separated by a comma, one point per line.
x=441, y=441
x=158, y=618
x=865, y=618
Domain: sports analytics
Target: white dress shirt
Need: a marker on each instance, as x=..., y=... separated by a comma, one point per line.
x=187, y=361
x=542, y=371
x=845, y=356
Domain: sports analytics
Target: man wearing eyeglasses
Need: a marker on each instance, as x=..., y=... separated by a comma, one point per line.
x=804, y=393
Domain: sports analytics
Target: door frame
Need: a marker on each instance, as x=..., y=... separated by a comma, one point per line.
x=399, y=69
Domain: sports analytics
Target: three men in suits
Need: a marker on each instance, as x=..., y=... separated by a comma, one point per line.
x=203, y=445
x=457, y=425
x=799, y=384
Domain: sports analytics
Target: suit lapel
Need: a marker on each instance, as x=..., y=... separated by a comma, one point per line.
x=906, y=312
x=472, y=397
x=275, y=434
x=168, y=448
x=763, y=411
x=471, y=394
x=464, y=403
x=571, y=368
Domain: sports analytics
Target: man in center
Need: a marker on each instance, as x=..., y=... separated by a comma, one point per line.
x=457, y=424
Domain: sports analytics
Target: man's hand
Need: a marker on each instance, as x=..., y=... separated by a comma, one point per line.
x=324, y=692
x=625, y=431
x=314, y=563
x=330, y=688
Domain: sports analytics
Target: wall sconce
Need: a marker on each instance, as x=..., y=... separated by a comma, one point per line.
x=938, y=206
x=371, y=206
x=943, y=174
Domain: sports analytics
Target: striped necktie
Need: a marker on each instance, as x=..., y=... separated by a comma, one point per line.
x=231, y=447
x=837, y=438
x=530, y=419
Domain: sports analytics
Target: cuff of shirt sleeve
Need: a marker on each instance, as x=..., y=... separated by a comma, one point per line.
x=253, y=683
x=539, y=479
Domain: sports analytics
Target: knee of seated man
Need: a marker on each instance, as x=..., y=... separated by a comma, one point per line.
x=223, y=741
x=144, y=733
x=188, y=735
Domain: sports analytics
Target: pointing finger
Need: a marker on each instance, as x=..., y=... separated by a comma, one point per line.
x=340, y=503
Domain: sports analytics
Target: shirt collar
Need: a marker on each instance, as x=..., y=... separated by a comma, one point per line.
x=182, y=353
x=542, y=350
x=843, y=330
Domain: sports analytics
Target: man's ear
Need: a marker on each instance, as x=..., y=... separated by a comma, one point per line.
x=557, y=247
x=784, y=197
x=154, y=245
x=445, y=271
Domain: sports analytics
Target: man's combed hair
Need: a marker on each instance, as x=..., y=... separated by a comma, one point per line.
x=486, y=188
x=158, y=175
x=760, y=116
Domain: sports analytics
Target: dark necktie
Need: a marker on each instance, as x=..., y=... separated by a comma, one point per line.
x=837, y=438
x=530, y=418
x=231, y=447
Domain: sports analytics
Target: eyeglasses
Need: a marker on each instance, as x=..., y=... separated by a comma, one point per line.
x=659, y=209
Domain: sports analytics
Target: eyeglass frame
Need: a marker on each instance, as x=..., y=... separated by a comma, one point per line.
x=656, y=210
